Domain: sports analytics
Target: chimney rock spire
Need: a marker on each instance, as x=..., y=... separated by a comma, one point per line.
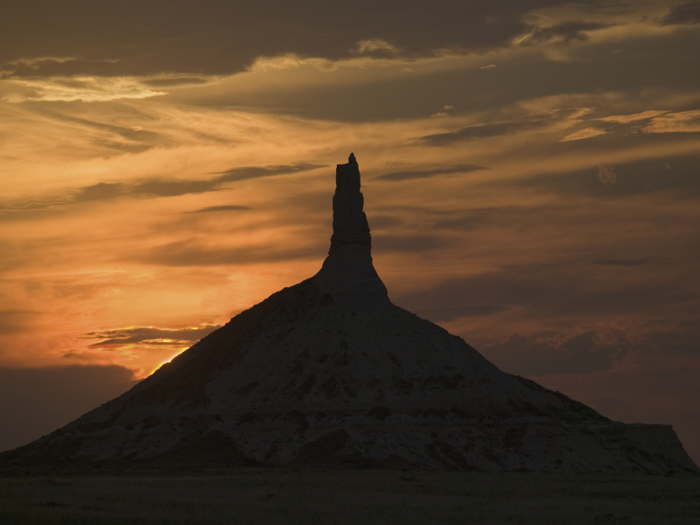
x=349, y=221
x=347, y=273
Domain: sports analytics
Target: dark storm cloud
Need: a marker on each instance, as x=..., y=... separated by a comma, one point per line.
x=149, y=335
x=424, y=174
x=683, y=14
x=220, y=37
x=496, y=129
x=566, y=33
x=36, y=401
x=210, y=209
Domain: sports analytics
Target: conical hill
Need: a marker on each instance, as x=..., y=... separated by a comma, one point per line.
x=329, y=372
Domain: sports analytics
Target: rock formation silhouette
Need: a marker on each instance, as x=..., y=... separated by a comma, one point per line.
x=330, y=373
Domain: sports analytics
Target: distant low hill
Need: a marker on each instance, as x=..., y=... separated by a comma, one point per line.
x=330, y=373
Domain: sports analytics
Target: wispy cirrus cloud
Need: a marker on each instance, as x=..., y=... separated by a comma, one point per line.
x=585, y=133
x=634, y=117
x=79, y=88
x=564, y=33
x=553, y=120
x=656, y=121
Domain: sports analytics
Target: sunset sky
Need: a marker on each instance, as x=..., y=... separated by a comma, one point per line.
x=530, y=168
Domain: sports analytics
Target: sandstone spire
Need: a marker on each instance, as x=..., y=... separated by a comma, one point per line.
x=348, y=273
x=349, y=221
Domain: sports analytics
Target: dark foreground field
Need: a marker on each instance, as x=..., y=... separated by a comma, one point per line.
x=357, y=497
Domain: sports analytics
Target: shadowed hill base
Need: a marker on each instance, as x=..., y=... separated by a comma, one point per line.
x=329, y=372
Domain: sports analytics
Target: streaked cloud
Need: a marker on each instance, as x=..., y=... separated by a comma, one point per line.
x=225, y=207
x=176, y=187
x=552, y=120
x=563, y=34
x=105, y=191
x=79, y=88
x=425, y=174
x=33, y=63
x=585, y=133
x=148, y=335
x=681, y=122
x=625, y=119
x=166, y=81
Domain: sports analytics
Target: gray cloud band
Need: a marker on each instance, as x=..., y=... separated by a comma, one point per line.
x=104, y=39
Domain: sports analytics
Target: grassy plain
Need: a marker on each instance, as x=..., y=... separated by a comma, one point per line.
x=255, y=496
